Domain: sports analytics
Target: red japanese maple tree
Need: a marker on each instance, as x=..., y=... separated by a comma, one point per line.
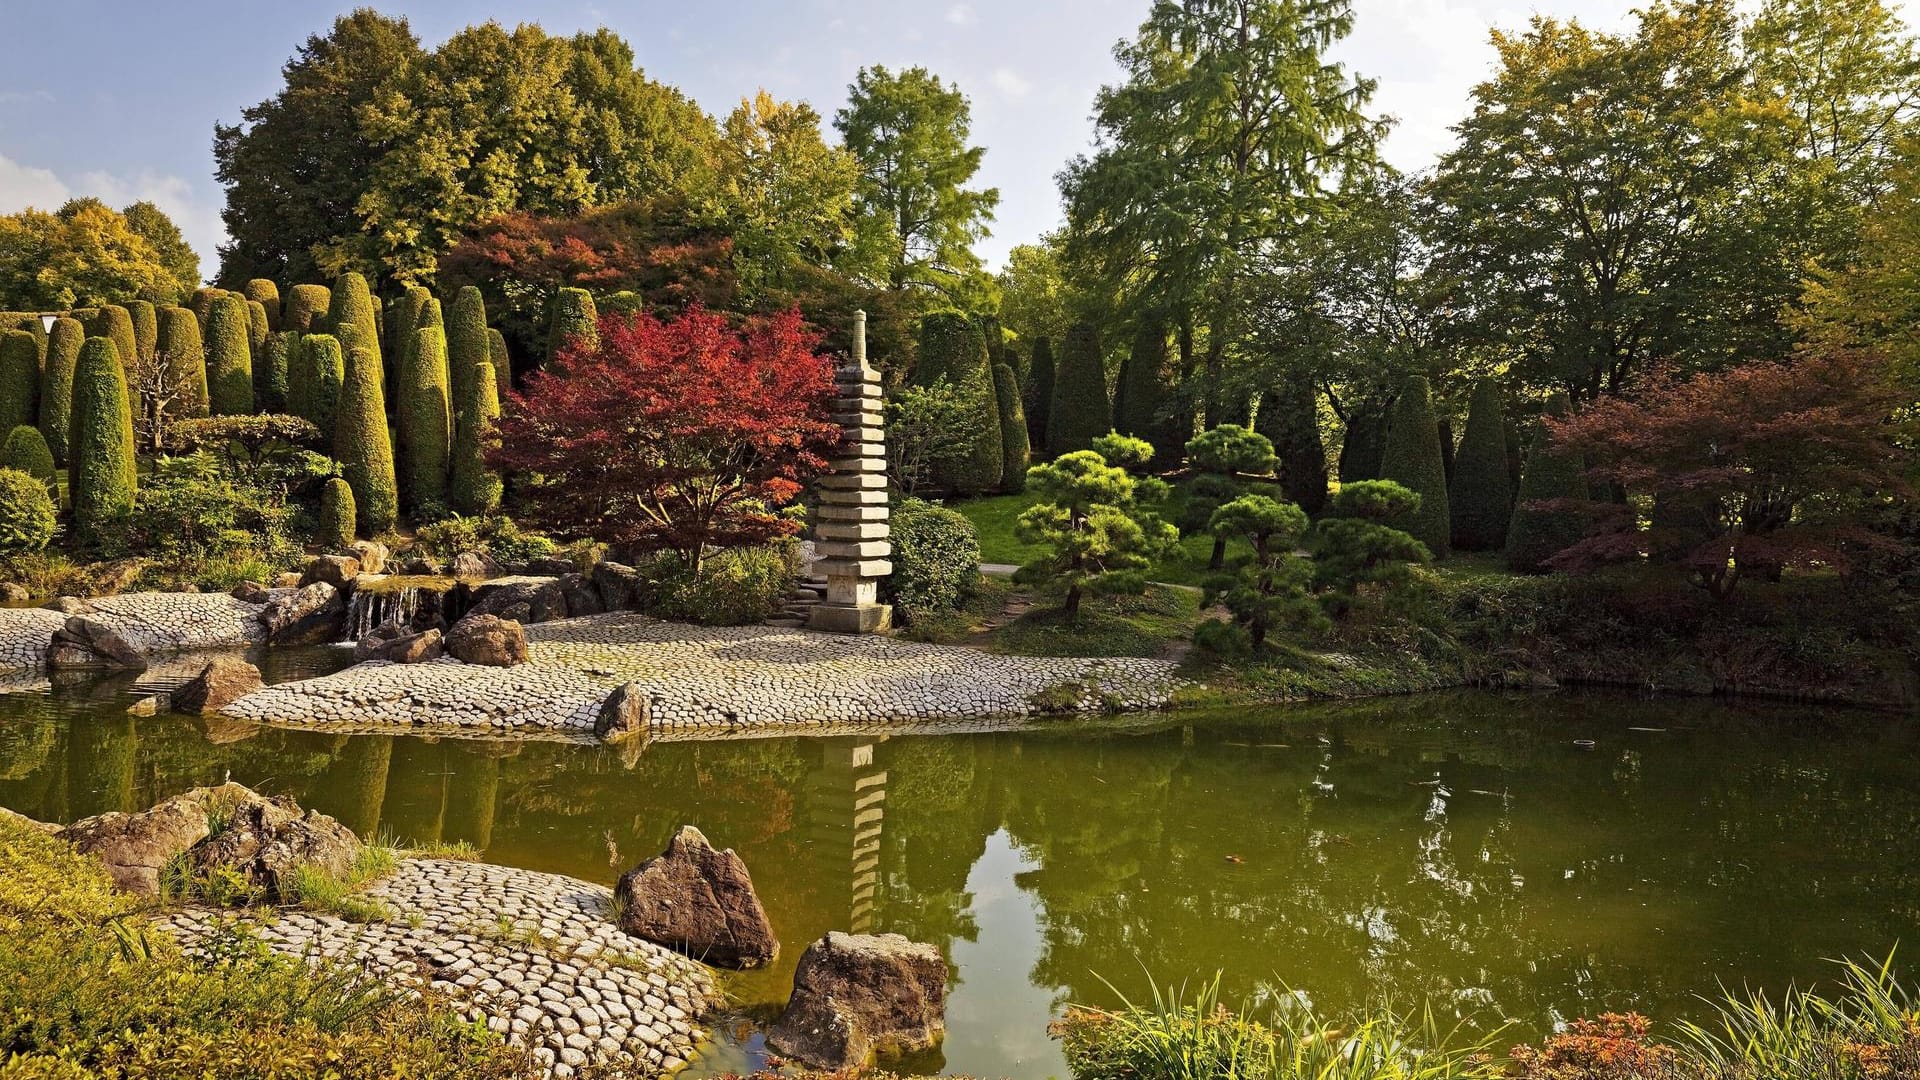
x=679, y=435
x=1752, y=469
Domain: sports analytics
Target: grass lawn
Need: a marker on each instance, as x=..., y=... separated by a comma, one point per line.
x=993, y=518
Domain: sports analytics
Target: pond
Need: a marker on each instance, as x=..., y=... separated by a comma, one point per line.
x=1462, y=849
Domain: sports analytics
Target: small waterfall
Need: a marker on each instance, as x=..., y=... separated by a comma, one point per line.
x=370, y=609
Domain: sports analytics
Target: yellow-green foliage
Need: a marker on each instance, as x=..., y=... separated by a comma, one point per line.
x=101, y=476
x=502, y=363
x=180, y=344
x=229, y=357
x=306, y=310
x=116, y=322
x=26, y=509
x=19, y=378
x=424, y=435
x=26, y=450
x=473, y=488
x=56, y=385
x=257, y=327
x=337, y=515
x=361, y=444
x=146, y=327
x=351, y=315
x=267, y=295
x=91, y=989
x=575, y=321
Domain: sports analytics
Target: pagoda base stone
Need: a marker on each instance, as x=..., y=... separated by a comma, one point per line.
x=850, y=618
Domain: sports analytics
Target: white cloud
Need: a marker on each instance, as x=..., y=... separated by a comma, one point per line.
x=22, y=186
x=1009, y=82
x=960, y=14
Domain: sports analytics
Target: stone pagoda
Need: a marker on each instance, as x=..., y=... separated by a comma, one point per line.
x=850, y=538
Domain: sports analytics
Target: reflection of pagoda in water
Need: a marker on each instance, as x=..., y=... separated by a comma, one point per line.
x=845, y=810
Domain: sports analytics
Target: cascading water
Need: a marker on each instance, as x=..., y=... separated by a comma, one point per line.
x=370, y=609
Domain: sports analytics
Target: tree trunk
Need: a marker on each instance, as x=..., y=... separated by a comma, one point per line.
x=1219, y=553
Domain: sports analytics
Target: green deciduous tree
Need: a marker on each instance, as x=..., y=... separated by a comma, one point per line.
x=1213, y=149
x=1097, y=535
x=83, y=255
x=787, y=196
x=101, y=476
x=916, y=218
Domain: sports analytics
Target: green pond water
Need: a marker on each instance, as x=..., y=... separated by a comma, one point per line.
x=1459, y=849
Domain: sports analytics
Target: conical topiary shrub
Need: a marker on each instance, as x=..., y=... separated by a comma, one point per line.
x=1080, y=411
x=186, y=359
x=25, y=449
x=403, y=318
x=265, y=293
x=574, y=320
x=19, y=379
x=1538, y=532
x=350, y=317
x=502, y=363
x=1411, y=458
x=945, y=336
x=1290, y=419
x=270, y=372
x=146, y=328
x=1142, y=395
x=472, y=487
x=424, y=435
x=467, y=345
x=306, y=309
x=229, y=358
x=337, y=516
x=257, y=329
x=201, y=304
x=953, y=351
x=56, y=385
x=1481, y=500
x=102, y=476
x=322, y=368
x=1036, y=393
x=361, y=444
x=1013, y=430
x=116, y=323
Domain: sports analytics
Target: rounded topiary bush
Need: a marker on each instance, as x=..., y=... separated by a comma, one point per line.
x=146, y=327
x=936, y=559
x=180, y=344
x=1036, y=393
x=102, y=475
x=574, y=322
x=361, y=444
x=265, y=293
x=19, y=378
x=230, y=357
x=467, y=345
x=26, y=449
x=472, y=487
x=425, y=438
x=351, y=315
x=306, y=308
x=337, y=515
x=56, y=384
x=26, y=513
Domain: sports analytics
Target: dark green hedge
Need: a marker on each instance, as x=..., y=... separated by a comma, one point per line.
x=102, y=476
x=1013, y=430
x=1537, y=533
x=1481, y=498
x=1080, y=411
x=502, y=363
x=19, y=379
x=1144, y=391
x=1036, y=393
x=230, y=357
x=56, y=385
x=361, y=444
x=180, y=343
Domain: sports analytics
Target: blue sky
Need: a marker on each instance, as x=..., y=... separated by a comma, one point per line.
x=118, y=99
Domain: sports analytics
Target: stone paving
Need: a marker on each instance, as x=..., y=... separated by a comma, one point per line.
x=711, y=678
x=536, y=957
x=153, y=623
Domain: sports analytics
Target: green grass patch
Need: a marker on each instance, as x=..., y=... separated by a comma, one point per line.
x=1108, y=626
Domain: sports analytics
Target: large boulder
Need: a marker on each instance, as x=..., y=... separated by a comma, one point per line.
x=551, y=567
x=401, y=648
x=474, y=564
x=580, y=596
x=314, y=614
x=338, y=571
x=251, y=592
x=421, y=566
x=618, y=585
x=69, y=605
x=489, y=640
x=84, y=641
x=626, y=713
x=135, y=846
x=12, y=592
x=526, y=600
x=222, y=682
x=372, y=554
x=264, y=839
x=698, y=901
x=858, y=998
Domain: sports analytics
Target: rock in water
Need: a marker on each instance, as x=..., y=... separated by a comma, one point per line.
x=861, y=997
x=86, y=642
x=700, y=902
x=312, y=615
x=264, y=840
x=402, y=648
x=627, y=713
x=221, y=683
x=135, y=846
x=489, y=640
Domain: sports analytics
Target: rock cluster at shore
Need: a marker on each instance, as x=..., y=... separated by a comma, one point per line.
x=535, y=957
x=709, y=678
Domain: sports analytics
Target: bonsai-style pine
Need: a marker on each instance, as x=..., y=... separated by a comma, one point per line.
x=1356, y=543
x=1272, y=589
x=1097, y=537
